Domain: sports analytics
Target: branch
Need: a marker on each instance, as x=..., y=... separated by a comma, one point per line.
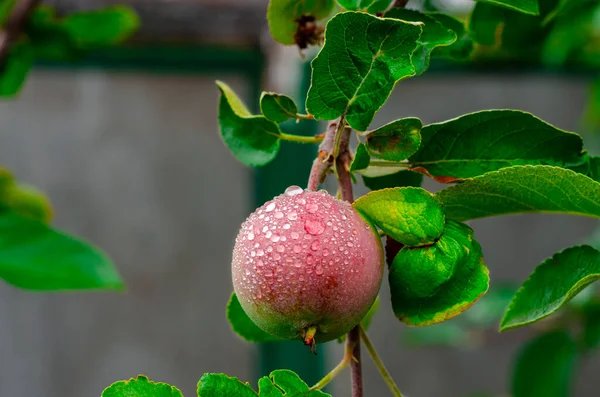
x=324, y=160
x=399, y=3
x=14, y=25
x=355, y=366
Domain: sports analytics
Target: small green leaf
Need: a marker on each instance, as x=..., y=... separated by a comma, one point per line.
x=283, y=16
x=551, y=285
x=355, y=5
x=462, y=47
x=243, y=326
x=469, y=282
x=140, y=387
x=524, y=6
x=107, y=26
x=16, y=68
x=48, y=37
x=595, y=168
x=283, y=382
x=379, y=6
x=486, y=141
x=522, y=189
x=254, y=140
x=397, y=179
x=545, y=366
x=26, y=201
x=434, y=35
x=361, y=158
x=359, y=65
x=220, y=385
x=409, y=215
x=33, y=256
x=395, y=141
x=277, y=107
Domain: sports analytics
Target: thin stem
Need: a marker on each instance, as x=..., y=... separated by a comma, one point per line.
x=355, y=366
x=301, y=116
x=346, y=360
x=301, y=139
x=337, y=142
x=378, y=363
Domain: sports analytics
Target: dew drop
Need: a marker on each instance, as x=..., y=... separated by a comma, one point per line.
x=264, y=229
x=283, y=238
x=250, y=236
x=259, y=263
x=315, y=245
x=270, y=207
x=297, y=249
x=344, y=217
x=301, y=201
x=298, y=264
x=275, y=238
x=260, y=252
x=280, y=248
x=350, y=244
x=261, y=216
x=319, y=270
x=293, y=191
x=294, y=235
x=278, y=215
x=292, y=216
x=269, y=249
x=268, y=234
x=312, y=208
x=310, y=259
x=325, y=252
x=286, y=226
x=314, y=227
x=276, y=256
x=253, y=254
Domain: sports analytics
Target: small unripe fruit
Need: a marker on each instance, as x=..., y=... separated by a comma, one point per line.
x=306, y=261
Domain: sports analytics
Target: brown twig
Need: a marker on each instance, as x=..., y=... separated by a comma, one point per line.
x=14, y=25
x=324, y=160
x=399, y=3
x=355, y=365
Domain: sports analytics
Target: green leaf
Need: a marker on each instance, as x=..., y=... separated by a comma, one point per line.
x=103, y=27
x=420, y=271
x=434, y=35
x=361, y=158
x=397, y=179
x=140, y=387
x=26, y=201
x=220, y=385
x=254, y=140
x=33, y=256
x=395, y=141
x=409, y=215
x=595, y=168
x=48, y=37
x=291, y=384
x=277, y=107
x=469, y=281
x=354, y=5
x=359, y=65
x=243, y=326
x=379, y=6
x=551, y=285
x=19, y=62
x=591, y=115
x=486, y=141
x=522, y=189
x=545, y=366
x=524, y=6
x=462, y=47
x=283, y=16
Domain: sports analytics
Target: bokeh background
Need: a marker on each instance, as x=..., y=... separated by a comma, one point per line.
x=127, y=147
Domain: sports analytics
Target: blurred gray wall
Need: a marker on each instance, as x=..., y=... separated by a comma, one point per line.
x=134, y=163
